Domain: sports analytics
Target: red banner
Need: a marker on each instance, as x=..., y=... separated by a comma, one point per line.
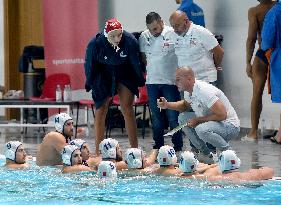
x=68, y=27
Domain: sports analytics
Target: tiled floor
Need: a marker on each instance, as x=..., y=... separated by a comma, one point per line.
x=252, y=154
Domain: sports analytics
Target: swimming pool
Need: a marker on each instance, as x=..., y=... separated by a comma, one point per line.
x=48, y=186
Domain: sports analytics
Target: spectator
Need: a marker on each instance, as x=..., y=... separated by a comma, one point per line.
x=193, y=11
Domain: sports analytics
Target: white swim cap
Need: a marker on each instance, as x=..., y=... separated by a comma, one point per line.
x=107, y=169
x=60, y=120
x=11, y=149
x=167, y=155
x=107, y=148
x=66, y=154
x=228, y=160
x=188, y=163
x=78, y=142
x=133, y=157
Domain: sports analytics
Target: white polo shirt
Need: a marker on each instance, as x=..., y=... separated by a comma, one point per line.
x=203, y=97
x=193, y=50
x=160, y=55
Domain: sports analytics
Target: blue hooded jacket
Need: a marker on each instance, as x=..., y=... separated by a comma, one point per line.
x=104, y=67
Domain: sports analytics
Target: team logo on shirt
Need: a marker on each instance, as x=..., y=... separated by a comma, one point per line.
x=105, y=57
x=122, y=55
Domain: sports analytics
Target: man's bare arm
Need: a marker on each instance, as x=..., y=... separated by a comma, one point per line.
x=251, y=39
x=217, y=56
x=218, y=114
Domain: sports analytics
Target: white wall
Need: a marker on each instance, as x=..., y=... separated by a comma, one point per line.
x=226, y=17
x=1, y=49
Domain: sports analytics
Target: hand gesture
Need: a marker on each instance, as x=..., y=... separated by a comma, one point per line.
x=162, y=103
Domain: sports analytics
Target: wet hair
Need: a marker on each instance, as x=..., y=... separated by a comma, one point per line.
x=152, y=16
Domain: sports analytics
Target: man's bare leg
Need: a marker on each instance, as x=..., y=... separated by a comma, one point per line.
x=259, y=78
x=126, y=103
x=99, y=124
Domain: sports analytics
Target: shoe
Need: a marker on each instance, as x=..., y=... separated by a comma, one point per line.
x=269, y=136
x=207, y=159
x=248, y=139
x=273, y=139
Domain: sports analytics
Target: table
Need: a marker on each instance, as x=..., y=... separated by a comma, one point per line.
x=25, y=103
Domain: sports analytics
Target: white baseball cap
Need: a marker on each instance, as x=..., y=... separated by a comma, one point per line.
x=133, y=157
x=11, y=149
x=107, y=148
x=60, y=120
x=167, y=155
x=67, y=152
x=228, y=160
x=188, y=162
x=107, y=169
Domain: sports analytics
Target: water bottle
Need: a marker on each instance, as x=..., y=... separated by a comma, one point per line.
x=58, y=94
x=67, y=93
x=263, y=126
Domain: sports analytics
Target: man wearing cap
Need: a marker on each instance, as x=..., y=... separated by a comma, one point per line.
x=137, y=161
x=49, y=151
x=72, y=160
x=167, y=160
x=112, y=66
x=15, y=155
x=107, y=169
x=158, y=53
x=228, y=169
x=110, y=150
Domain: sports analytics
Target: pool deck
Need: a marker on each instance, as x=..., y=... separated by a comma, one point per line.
x=252, y=154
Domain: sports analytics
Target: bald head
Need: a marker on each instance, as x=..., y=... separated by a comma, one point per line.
x=185, y=79
x=185, y=72
x=179, y=21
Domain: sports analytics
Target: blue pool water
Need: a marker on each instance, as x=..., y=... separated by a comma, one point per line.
x=48, y=186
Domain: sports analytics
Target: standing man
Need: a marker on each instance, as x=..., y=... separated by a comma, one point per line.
x=158, y=53
x=196, y=47
x=271, y=40
x=112, y=66
x=193, y=11
x=256, y=71
x=215, y=120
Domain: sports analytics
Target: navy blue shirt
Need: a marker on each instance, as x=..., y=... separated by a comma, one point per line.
x=104, y=67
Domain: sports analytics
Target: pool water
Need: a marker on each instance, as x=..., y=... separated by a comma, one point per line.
x=48, y=186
